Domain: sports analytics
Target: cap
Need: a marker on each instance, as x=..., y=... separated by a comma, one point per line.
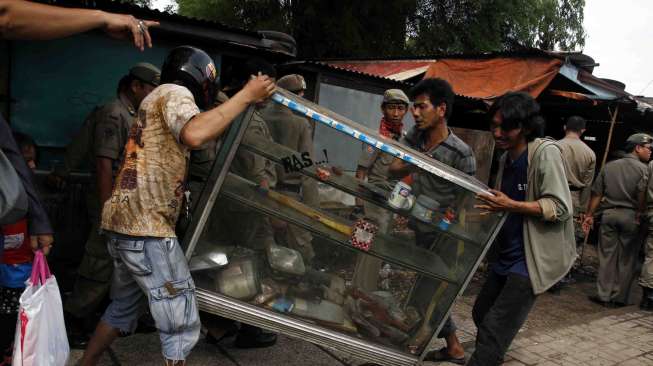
x=395, y=96
x=640, y=139
x=146, y=72
x=293, y=82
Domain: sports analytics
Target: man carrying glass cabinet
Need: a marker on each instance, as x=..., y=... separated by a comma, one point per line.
x=535, y=247
x=432, y=108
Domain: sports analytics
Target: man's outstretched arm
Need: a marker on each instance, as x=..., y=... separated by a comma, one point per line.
x=32, y=21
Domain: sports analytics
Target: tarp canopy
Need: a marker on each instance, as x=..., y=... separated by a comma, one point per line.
x=490, y=78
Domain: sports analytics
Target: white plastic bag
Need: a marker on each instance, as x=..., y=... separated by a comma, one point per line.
x=40, y=332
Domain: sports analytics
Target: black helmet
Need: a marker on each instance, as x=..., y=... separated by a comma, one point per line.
x=193, y=68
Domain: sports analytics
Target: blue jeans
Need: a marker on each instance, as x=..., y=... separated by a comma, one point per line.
x=156, y=269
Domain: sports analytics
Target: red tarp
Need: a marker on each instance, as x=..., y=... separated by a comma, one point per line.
x=491, y=78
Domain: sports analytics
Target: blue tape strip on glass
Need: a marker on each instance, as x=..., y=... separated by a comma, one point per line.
x=370, y=140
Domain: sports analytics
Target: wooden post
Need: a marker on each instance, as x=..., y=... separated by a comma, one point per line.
x=607, y=144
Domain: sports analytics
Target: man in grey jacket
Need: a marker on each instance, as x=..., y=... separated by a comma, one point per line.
x=535, y=247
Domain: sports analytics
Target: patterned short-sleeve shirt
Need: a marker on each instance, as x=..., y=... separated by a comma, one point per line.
x=148, y=191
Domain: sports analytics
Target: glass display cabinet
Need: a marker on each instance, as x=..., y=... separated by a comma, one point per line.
x=377, y=283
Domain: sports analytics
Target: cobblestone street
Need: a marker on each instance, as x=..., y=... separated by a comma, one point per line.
x=562, y=329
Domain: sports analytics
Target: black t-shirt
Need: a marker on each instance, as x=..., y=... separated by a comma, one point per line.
x=510, y=240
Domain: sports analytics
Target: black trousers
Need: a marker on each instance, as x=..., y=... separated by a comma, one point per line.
x=500, y=310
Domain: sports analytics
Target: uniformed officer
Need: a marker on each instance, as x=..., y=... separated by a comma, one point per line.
x=646, y=277
x=619, y=185
x=101, y=142
x=580, y=162
x=373, y=165
x=294, y=132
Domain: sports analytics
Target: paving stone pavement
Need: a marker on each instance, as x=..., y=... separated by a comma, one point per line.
x=618, y=337
x=624, y=338
x=562, y=329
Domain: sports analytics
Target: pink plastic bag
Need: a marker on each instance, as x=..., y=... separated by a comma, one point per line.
x=40, y=331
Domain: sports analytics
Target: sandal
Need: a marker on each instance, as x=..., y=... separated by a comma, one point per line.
x=441, y=355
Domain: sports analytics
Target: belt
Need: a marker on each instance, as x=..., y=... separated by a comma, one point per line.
x=295, y=188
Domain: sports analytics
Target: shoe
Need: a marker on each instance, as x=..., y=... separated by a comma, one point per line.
x=646, y=304
x=78, y=341
x=647, y=299
x=254, y=337
x=616, y=305
x=555, y=289
x=213, y=340
x=606, y=304
x=597, y=300
x=441, y=355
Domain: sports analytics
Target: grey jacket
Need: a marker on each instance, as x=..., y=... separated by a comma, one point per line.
x=549, y=242
x=37, y=218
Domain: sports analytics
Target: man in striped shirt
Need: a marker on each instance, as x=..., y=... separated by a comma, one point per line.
x=432, y=108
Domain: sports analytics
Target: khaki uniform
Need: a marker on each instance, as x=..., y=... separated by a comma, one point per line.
x=104, y=134
x=377, y=164
x=580, y=162
x=646, y=277
x=619, y=182
x=294, y=132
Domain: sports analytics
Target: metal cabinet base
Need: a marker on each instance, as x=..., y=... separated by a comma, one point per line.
x=233, y=309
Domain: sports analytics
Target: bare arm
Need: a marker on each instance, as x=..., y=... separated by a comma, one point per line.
x=32, y=21
x=588, y=222
x=501, y=202
x=104, y=178
x=594, y=204
x=399, y=168
x=207, y=126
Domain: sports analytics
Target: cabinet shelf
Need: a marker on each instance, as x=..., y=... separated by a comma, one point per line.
x=385, y=247
x=276, y=152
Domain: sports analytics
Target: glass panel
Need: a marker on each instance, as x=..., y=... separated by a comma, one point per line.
x=387, y=275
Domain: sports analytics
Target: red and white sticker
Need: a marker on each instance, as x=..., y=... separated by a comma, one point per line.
x=363, y=234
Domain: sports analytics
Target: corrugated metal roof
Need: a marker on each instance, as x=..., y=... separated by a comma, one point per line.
x=403, y=68
x=336, y=68
x=328, y=66
x=396, y=70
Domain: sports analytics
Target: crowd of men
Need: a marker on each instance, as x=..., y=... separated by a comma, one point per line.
x=138, y=147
